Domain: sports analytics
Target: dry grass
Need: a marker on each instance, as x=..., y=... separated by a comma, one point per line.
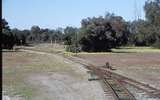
x=143, y=67
x=35, y=76
x=18, y=65
x=47, y=47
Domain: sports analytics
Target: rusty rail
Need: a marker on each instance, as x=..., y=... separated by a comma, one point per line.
x=119, y=92
x=121, y=79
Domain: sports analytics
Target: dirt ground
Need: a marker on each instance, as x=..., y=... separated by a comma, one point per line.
x=143, y=67
x=38, y=76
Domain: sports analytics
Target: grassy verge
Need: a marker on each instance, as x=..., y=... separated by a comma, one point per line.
x=46, y=47
x=61, y=49
x=136, y=50
x=119, y=50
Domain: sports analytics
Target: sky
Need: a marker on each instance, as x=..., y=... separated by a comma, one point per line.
x=23, y=14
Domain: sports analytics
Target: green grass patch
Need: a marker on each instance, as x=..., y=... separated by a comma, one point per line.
x=124, y=49
x=83, y=53
x=135, y=50
x=118, y=50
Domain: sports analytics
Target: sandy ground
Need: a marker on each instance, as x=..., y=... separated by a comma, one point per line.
x=56, y=86
x=50, y=84
x=143, y=67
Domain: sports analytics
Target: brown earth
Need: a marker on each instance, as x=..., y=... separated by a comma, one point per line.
x=143, y=67
x=41, y=76
x=124, y=59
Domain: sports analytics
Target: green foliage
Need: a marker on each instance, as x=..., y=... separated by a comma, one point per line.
x=102, y=34
x=157, y=44
x=20, y=36
x=71, y=39
x=96, y=34
x=8, y=39
x=147, y=32
x=152, y=12
x=72, y=48
x=70, y=35
x=39, y=35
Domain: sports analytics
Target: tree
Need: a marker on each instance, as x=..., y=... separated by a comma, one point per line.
x=35, y=33
x=70, y=38
x=140, y=33
x=147, y=32
x=120, y=26
x=44, y=35
x=69, y=33
x=25, y=34
x=20, y=36
x=152, y=11
x=58, y=34
x=8, y=39
x=103, y=33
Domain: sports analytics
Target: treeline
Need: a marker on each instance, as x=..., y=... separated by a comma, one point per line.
x=95, y=34
x=11, y=37
x=147, y=32
x=110, y=31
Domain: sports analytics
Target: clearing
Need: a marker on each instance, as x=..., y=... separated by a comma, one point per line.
x=34, y=76
x=141, y=66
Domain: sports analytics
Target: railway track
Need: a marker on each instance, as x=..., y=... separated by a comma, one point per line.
x=119, y=86
x=118, y=91
x=152, y=92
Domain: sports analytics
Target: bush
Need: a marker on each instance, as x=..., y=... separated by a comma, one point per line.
x=73, y=48
x=157, y=44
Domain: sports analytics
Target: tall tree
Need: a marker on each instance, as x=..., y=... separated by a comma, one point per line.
x=70, y=38
x=35, y=34
x=152, y=11
x=103, y=33
x=8, y=40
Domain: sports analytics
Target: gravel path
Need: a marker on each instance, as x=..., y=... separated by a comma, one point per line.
x=56, y=86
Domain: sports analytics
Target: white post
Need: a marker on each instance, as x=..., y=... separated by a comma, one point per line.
x=51, y=41
x=55, y=43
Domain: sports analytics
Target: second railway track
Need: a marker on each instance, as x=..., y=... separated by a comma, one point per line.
x=119, y=86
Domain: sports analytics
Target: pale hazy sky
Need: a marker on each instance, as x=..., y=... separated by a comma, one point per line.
x=61, y=13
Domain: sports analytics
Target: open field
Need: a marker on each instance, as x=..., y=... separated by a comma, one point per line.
x=119, y=50
x=33, y=76
x=47, y=47
x=57, y=48
x=143, y=67
x=139, y=63
x=37, y=76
